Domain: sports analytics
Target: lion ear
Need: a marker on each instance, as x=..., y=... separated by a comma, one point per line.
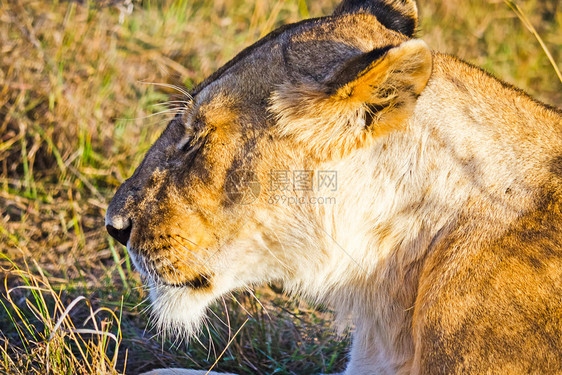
x=368, y=96
x=397, y=15
x=390, y=77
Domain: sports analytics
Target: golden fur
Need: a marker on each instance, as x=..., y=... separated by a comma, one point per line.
x=444, y=243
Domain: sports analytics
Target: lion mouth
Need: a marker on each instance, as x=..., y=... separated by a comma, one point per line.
x=199, y=282
x=167, y=275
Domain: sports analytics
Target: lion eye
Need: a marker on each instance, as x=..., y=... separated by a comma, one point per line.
x=185, y=146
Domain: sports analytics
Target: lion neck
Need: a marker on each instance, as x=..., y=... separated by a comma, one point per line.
x=454, y=162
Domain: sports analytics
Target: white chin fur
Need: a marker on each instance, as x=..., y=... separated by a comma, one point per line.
x=178, y=312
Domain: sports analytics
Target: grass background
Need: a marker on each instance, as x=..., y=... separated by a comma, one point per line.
x=77, y=113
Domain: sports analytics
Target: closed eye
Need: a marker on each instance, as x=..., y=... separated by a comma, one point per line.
x=186, y=146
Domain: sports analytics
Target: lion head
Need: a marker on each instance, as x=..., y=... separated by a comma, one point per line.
x=204, y=214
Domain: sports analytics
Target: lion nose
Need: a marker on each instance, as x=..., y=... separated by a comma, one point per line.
x=121, y=235
x=118, y=227
x=118, y=218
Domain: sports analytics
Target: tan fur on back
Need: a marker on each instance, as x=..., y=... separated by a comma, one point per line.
x=443, y=243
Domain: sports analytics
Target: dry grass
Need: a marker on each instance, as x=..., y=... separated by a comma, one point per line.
x=76, y=118
x=49, y=341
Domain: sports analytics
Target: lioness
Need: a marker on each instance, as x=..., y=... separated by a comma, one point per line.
x=443, y=245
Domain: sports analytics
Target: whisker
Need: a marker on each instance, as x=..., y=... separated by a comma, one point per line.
x=183, y=260
x=276, y=258
x=172, y=102
x=257, y=300
x=240, y=304
x=144, y=300
x=211, y=347
x=179, y=105
x=205, y=262
x=245, y=286
x=169, y=110
x=191, y=242
x=175, y=87
x=227, y=318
